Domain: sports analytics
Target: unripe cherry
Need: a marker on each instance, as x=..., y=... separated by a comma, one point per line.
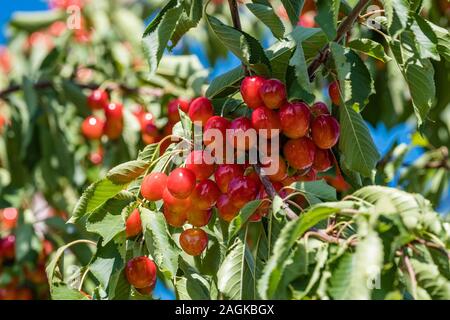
x=225, y=173
x=319, y=108
x=141, y=272
x=98, y=99
x=175, y=218
x=181, y=182
x=196, y=162
x=273, y=93
x=219, y=123
x=322, y=160
x=241, y=127
x=250, y=87
x=205, y=195
x=200, y=110
x=153, y=186
x=242, y=190
x=299, y=153
x=175, y=204
x=325, y=131
x=114, y=111
x=199, y=218
x=194, y=241
x=333, y=91
x=295, y=118
x=265, y=118
x=92, y=128
x=133, y=225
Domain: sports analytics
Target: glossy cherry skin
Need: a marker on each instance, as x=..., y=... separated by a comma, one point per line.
x=141, y=272
x=273, y=93
x=225, y=173
x=242, y=190
x=193, y=241
x=147, y=291
x=295, y=118
x=113, y=128
x=205, y=195
x=322, y=160
x=325, y=131
x=197, y=162
x=266, y=119
x=319, y=108
x=92, y=128
x=175, y=219
x=239, y=128
x=227, y=211
x=114, y=111
x=199, y=218
x=153, y=186
x=280, y=174
x=333, y=91
x=181, y=183
x=133, y=225
x=98, y=99
x=200, y=110
x=299, y=153
x=172, y=109
x=250, y=87
x=176, y=205
x=307, y=19
x=219, y=123
x=8, y=247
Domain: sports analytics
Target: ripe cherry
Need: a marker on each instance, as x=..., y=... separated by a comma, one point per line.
x=295, y=119
x=299, y=153
x=205, y=195
x=325, y=131
x=172, y=109
x=322, y=160
x=141, y=272
x=225, y=173
x=92, y=128
x=113, y=128
x=307, y=19
x=277, y=165
x=24, y=294
x=241, y=134
x=147, y=291
x=273, y=93
x=98, y=99
x=265, y=118
x=333, y=91
x=197, y=162
x=133, y=224
x=219, y=123
x=153, y=186
x=114, y=111
x=8, y=218
x=8, y=247
x=242, y=190
x=250, y=87
x=200, y=110
x=319, y=108
x=226, y=209
x=181, y=183
x=193, y=241
x=199, y=218
x=175, y=204
x=175, y=219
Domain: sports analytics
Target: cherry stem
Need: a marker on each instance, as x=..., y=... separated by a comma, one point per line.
x=234, y=10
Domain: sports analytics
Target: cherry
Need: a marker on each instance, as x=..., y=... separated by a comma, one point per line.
x=92, y=128
x=141, y=272
x=96, y=157
x=319, y=108
x=310, y=175
x=250, y=87
x=8, y=218
x=307, y=19
x=200, y=110
x=176, y=205
x=279, y=188
x=181, y=182
x=219, y=123
x=148, y=126
x=147, y=291
x=225, y=173
x=133, y=224
x=263, y=208
x=241, y=134
x=281, y=172
x=153, y=186
x=8, y=247
x=273, y=93
x=299, y=153
x=338, y=183
x=114, y=111
x=322, y=160
x=193, y=241
x=251, y=174
x=172, y=109
x=295, y=119
x=175, y=219
x=98, y=99
x=197, y=162
x=265, y=118
x=57, y=28
x=226, y=209
x=205, y=194
x=24, y=294
x=325, y=131
x=113, y=128
x=333, y=91
x=199, y=218
x=242, y=190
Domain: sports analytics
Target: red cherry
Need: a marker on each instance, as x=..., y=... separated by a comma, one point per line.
x=219, y=123
x=263, y=208
x=153, y=186
x=319, y=108
x=175, y=205
x=242, y=190
x=133, y=224
x=92, y=128
x=57, y=28
x=241, y=134
x=265, y=118
x=295, y=119
x=307, y=19
x=199, y=218
x=333, y=91
x=8, y=218
x=175, y=219
x=141, y=272
x=114, y=111
x=113, y=128
x=225, y=173
x=250, y=87
x=273, y=93
x=227, y=211
x=147, y=122
x=325, y=131
x=322, y=160
x=181, y=182
x=279, y=188
x=172, y=109
x=205, y=195
x=252, y=175
x=24, y=294
x=197, y=162
x=299, y=153
x=310, y=175
x=8, y=247
x=280, y=174
x=147, y=291
x=193, y=241
x=200, y=110
x=338, y=183
x=98, y=99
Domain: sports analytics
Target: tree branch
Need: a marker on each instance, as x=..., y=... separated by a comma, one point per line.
x=234, y=10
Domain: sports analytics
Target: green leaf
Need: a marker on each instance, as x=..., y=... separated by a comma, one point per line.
x=127, y=172
x=267, y=15
x=304, y=89
x=429, y=278
x=226, y=83
x=32, y=21
x=443, y=38
x=327, y=14
x=189, y=19
x=25, y=236
x=293, y=10
x=192, y=285
x=397, y=12
x=425, y=37
x=238, y=222
x=313, y=190
x=369, y=47
x=150, y=153
x=60, y=291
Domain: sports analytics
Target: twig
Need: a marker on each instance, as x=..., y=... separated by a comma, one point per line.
x=234, y=10
x=412, y=274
